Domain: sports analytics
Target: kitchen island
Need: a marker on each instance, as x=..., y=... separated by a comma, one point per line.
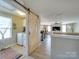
x=65, y=46
x=65, y=36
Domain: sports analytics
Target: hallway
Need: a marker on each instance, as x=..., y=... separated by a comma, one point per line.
x=24, y=22
x=43, y=51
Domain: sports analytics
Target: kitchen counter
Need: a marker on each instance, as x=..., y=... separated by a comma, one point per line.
x=65, y=36
x=66, y=33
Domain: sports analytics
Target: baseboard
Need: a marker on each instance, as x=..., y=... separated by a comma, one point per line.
x=8, y=46
x=19, y=45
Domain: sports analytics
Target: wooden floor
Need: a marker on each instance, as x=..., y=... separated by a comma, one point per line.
x=20, y=50
x=43, y=51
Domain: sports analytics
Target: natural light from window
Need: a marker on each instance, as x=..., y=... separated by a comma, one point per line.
x=64, y=28
x=49, y=28
x=5, y=27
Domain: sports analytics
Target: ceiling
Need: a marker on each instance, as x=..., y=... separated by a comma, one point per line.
x=7, y=7
x=54, y=10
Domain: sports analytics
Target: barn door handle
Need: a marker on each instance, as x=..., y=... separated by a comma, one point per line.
x=29, y=33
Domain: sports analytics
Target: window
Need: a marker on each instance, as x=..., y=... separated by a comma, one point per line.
x=5, y=27
x=64, y=28
x=49, y=28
